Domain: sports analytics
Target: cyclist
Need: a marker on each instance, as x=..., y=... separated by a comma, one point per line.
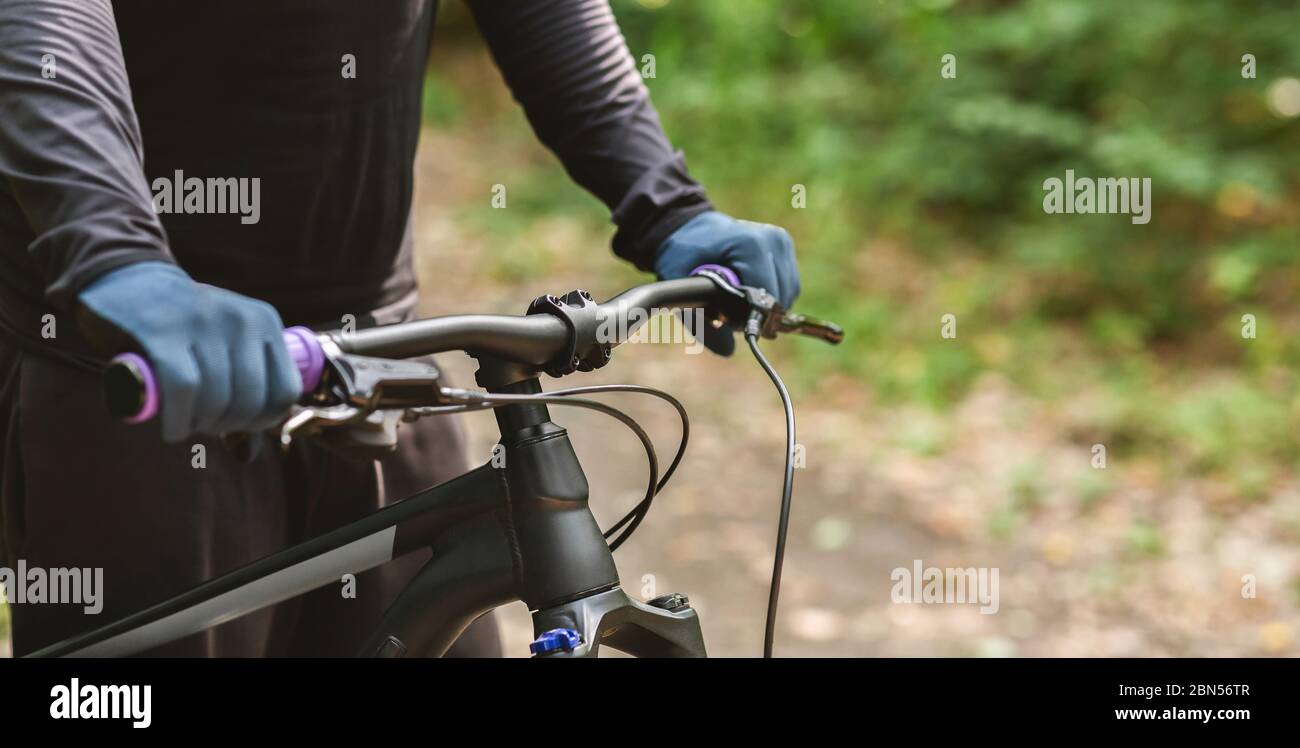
x=108, y=108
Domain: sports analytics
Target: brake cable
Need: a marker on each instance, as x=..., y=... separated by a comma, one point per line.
x=787, y=488
x=639, y=512
x=642, y=508
x=472, y=400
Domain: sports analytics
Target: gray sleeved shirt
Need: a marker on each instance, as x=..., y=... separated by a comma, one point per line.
x=101, y=103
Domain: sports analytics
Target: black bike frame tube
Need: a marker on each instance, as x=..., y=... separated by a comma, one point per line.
x=473, y=570
x=373, y=540
x=564, y=554
x=541, y=546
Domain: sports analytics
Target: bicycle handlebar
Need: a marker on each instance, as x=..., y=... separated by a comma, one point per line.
x=535, y=339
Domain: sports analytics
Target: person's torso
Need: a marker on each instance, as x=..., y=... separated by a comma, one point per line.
x=319, y=100
x=286, y=130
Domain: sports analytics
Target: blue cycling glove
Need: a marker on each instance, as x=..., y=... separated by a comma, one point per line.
x=219, y=358
x=762, y=255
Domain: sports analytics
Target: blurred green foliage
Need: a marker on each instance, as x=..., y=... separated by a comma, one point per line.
x=924, y=196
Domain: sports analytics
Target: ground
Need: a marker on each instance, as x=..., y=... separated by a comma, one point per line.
x=1092, y=561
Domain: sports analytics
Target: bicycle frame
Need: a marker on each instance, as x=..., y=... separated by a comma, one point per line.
x=521, y=531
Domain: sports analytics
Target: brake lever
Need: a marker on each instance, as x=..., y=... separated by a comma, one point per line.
x=362, y=401
x=812, y=327
x=772, y=318
x=311, y=419
x=745, y=302
x=382, y=384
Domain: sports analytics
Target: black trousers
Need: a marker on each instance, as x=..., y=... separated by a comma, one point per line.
x=80, y=490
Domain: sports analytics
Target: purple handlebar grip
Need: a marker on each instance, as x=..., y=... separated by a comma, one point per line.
x=148, y=386
x=722, y=270
x=304, y=348
x=307, y=355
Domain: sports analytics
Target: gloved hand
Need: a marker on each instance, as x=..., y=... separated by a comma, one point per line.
x=762, y=255
x=219, y=358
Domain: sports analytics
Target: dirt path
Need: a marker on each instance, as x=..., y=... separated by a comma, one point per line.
x=1105, y=562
